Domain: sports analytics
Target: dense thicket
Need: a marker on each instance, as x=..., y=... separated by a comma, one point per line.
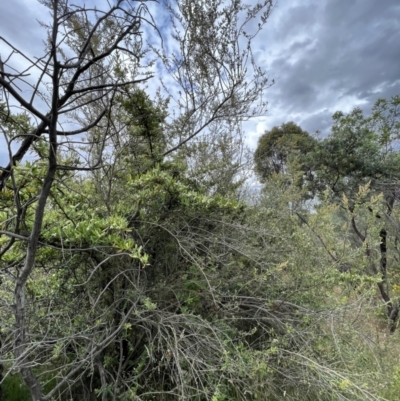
x=134, y=267
x=356, y=170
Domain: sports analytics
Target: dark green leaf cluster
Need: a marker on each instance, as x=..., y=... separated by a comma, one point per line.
x=358, y=150
x=276, y=148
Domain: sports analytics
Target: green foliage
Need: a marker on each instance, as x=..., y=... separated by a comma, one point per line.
x=277, y=147
x=14, y=389
x=218, y=162
x=14, y=125
x=144, y=142
x=359, y=150
x=151, y=281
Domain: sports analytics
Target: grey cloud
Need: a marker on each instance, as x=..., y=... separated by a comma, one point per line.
x=329, y=53
x=320, y=121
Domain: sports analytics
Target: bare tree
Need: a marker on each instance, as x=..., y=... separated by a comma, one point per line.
x=218, y=81
x=73, y=73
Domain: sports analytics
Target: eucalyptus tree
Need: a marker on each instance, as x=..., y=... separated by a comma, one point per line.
x=278, y=146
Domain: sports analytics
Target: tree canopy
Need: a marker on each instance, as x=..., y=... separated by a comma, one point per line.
x=360, y=149
x=277, y=146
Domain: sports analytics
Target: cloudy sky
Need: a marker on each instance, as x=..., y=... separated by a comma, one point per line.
x=324, y=55
x=328, y=55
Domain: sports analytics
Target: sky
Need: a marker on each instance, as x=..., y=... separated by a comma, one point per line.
x=324, y=56
x=328, y=55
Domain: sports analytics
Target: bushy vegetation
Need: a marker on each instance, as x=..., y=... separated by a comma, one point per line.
x=134, y=263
